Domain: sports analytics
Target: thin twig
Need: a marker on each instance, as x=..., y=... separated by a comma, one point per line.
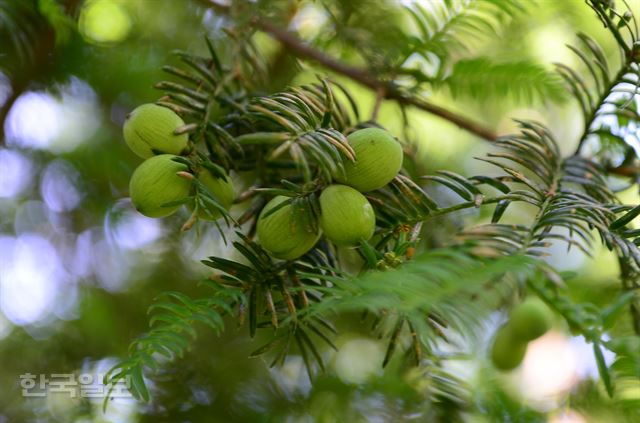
x=629, y=284
x=376, y=106
x=625, y=170
x=596, y=107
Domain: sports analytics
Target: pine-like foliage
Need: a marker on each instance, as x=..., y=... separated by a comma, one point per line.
x=18, y=27
x=449, y=26
x=445, y=31
x=607, y=98
x=295, y=141
x=173, y=316
x=483, y=79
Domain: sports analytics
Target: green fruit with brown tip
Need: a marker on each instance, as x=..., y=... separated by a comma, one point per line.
x=151, y=128
x=378, y=160
x=507, y=352
x=530, y=319
x=221, y=188
x=346, y=216
x=285, y=233
x=155, y=183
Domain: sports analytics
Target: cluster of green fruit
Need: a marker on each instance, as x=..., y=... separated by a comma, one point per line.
x=529, y=320
x=346, y=216
x=160, y=183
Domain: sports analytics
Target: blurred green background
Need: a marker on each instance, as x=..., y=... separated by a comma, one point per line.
x=79, y=267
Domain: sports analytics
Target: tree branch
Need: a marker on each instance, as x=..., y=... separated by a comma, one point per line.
x=390, y=91
x=360, y=75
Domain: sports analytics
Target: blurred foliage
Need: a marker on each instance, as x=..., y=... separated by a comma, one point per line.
x=476, y=57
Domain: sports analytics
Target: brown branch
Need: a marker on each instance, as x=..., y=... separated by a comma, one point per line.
x=626, y=170
x=363, y=77
x=360, y=75
x=376, y=107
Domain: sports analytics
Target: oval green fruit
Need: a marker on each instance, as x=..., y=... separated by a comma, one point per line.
x=346, y=216
x=221, y=188
x=284, y=233
x=155, y=183
x=378, y=160
x=530, y=319
x=150, y=127
x=507, y=352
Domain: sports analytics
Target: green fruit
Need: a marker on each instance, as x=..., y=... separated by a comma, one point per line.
x=221, y=189
x=155, y=183
x=378, y=160
x=346, y=216
x=150, y=127
x=507, y=352
x=530, y=319
x=284, y=233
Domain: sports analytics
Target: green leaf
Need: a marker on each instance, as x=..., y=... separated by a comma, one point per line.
x=139, y=388
x=501, y=207
x=369, y=254
x=610, y=313
x=602, y=368
x=623, y=220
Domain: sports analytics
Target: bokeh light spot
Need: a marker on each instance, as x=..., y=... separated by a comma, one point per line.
x=80, y=113
x=358, y=360
x=29, y=278
x=59, y=187
x=58, y=123
x=16, y=173
x=34, y=121
x=104, y=22
x=128, y=229
x=550, y=369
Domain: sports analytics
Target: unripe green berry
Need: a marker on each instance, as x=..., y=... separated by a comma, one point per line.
x=284, y=233
x=507, y=352
x=155, y=183
x=530, y=319
x=150, y=127
x=382, y=265
x=223, y=191
x=378, y=160
x=346, y=216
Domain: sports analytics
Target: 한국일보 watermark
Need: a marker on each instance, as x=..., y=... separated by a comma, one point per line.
x=84, y=385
